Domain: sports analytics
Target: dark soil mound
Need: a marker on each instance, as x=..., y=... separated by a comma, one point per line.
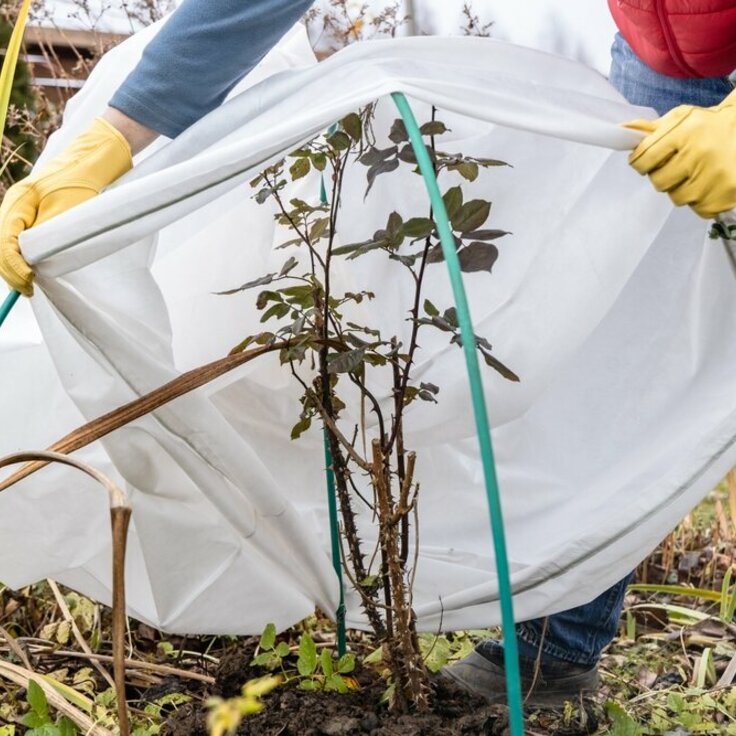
x=293, y=712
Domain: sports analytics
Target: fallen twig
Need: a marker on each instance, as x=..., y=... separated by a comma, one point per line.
x=16, y=649
x=21, y=676
x=66, y=613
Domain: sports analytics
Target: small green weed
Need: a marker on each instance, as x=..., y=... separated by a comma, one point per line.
x=38, y=719
x=313, y=671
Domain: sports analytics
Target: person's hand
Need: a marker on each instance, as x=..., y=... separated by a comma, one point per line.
x=91, y=162
x=690, y=153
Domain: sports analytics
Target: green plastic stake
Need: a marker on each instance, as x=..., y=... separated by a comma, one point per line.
x=335, y=539
x=511, y=654
x=332, y=504
x=8, y=305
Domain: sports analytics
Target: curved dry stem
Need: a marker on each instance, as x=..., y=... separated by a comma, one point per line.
x=107, y=423
x=120, y=518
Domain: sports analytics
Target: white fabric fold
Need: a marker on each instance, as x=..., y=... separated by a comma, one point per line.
x=611, y=306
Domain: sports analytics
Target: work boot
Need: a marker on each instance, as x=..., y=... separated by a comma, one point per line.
x=482, y=672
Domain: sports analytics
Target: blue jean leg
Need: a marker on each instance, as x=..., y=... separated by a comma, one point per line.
x=579, y=635
x=641, y=85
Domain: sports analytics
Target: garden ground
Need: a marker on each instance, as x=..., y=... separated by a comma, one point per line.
x=670, y=671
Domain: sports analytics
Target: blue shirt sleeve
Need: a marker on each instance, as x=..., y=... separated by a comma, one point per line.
x=204, y=49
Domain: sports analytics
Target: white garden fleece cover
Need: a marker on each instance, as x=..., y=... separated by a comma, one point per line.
x=614, y=309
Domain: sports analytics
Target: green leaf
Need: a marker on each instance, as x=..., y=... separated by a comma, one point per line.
x=356, y=249
x=435, y=254
x=319, y=161
x=430, y=309
x=325, y=661
x=282, y=649
x=436, y=652
x=276, y=310
x=306, y=664
x=263, y=338
x=33, y=720
x=264, y=194
x=346, y=664
x=622, y=723
x=440, y=323
x=375, y=155
x=486, y=234
x=48, y=729
x=301, y=427
x=453, y=199
x=339, y=141
x=335, y=683
x=301, y=294
x=728, y=598
x=383, y=167
x=262, y=281
x=490, y=162
x=269, y=660
x=309, y=685
x=471, y=216
x=478, y=256
x=467, y=169
x=394, y=229
x=407, y=155
x=37, y=699
x=499, y=367
x=67, y=727
x=682, y=590
x=353, y=126
x=374, y=657
x=267, y=296
x=418, y=227
x=319, y=228
x=434, y=127
x=407, y=261
x=346, y=362
x=11, y=58
x=398, y=132
x=389, y=693
x=300, y=168
x=268, y=637
x=450, y=316
x=288, y=266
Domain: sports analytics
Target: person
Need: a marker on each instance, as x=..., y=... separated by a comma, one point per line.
x=688, y=152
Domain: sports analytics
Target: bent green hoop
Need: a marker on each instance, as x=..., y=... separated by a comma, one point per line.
x=511, y=656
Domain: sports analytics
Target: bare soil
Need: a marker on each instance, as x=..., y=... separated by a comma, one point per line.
x=293, y=712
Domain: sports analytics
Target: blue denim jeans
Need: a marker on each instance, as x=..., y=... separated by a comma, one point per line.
x=579, y=635
x=641, y=85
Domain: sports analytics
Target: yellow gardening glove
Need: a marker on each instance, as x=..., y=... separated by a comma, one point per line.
x=91, y=162
x=690, y=153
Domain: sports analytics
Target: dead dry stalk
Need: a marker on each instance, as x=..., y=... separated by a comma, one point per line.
x=120, y=518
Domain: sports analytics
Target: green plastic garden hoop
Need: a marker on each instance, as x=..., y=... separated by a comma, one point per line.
x=447, y=240
x=8, y=305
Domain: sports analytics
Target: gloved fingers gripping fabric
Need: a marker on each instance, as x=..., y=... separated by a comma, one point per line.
x=690, y=153
x=13, y=220
x=92, y=161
